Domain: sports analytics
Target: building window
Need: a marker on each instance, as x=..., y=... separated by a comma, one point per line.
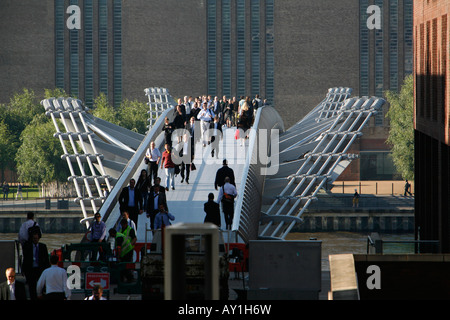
x=363, y=49
x=226, y=47
x=103, y=46
x=379, y=66
x=59, y=43
x=117, y=51
x=88, y=53
x=377, y=165
x=408, y=35
x=393, y=45
x=212, y=51
x=74, y=59
x=240, y=47
x=270, y=62
x=255, y=47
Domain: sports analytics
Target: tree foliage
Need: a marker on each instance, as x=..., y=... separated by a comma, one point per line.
x=7, y=148
x=401, y=133
x=39, y=155
x=27, y=142
x=133, y=116
x=103, y=110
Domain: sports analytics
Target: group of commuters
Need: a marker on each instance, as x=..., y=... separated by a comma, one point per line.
x=225, y=183
x=43, y=278
x=193, y=115
x=205, y=113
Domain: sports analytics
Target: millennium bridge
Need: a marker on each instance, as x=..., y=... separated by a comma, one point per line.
x=278, y=170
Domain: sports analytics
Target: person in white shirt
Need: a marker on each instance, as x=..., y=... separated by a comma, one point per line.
x=97, y=294
x=126, y=216
x=188, y=105
x=54, y=279
x=23, y=231
x=227, y=194
x=205, y=116
x=153, y=155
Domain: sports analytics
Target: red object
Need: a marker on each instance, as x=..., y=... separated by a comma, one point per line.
x=242, y=265
x=97, y=278
x=138, y=249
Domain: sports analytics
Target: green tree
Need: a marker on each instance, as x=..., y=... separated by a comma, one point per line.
x=54, y=93
x=21, y=110
x=401, y=133
x=103, y=110
x=39, y=155
x=133, y=116
x=14, y=117
x=7, y=149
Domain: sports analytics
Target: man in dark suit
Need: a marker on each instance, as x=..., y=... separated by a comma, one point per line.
x=12, y=289
x=35, y=261
x=216, y=136
x=156, y=197
x=212, y=210
x=223, y=172
x=131, y=199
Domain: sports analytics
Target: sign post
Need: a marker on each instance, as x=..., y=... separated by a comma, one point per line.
x=97, y=278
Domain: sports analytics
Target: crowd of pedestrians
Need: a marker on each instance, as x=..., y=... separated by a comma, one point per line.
x=206, y=115
x=43, y=278
x=147, y=195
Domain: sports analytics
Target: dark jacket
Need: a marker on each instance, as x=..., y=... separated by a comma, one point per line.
x=124, y=196
x=161, y=200
x=221, y=174
x=212, y=210
x=19, y=292
x=43, y=259
x=179, y=121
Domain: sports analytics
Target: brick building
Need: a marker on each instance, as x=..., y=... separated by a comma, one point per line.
x=432, y=140
x=289, y=52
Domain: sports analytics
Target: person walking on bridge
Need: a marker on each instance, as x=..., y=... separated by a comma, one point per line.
x=227, y=194
x=223, y=172
x=169, y=167
x=130, y=199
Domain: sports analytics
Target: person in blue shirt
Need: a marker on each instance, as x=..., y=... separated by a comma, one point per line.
x=98, y=229
x=163, y=218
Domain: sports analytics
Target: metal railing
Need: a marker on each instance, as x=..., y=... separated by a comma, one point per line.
x=323, y=144
x=248, y=205
x=376, y=245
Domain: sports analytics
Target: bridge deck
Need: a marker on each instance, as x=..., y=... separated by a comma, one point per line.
x=187, y=200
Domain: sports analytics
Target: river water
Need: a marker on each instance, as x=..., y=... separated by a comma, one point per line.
x=332, y=242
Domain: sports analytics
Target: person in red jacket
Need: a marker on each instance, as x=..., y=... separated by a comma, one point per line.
x=169, y=167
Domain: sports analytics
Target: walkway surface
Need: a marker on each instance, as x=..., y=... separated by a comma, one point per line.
x=187, y=200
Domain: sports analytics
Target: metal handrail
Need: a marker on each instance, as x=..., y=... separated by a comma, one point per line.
x=249, y=201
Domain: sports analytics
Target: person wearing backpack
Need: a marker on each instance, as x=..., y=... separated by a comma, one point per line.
x=27, y=228
x=227, y=194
